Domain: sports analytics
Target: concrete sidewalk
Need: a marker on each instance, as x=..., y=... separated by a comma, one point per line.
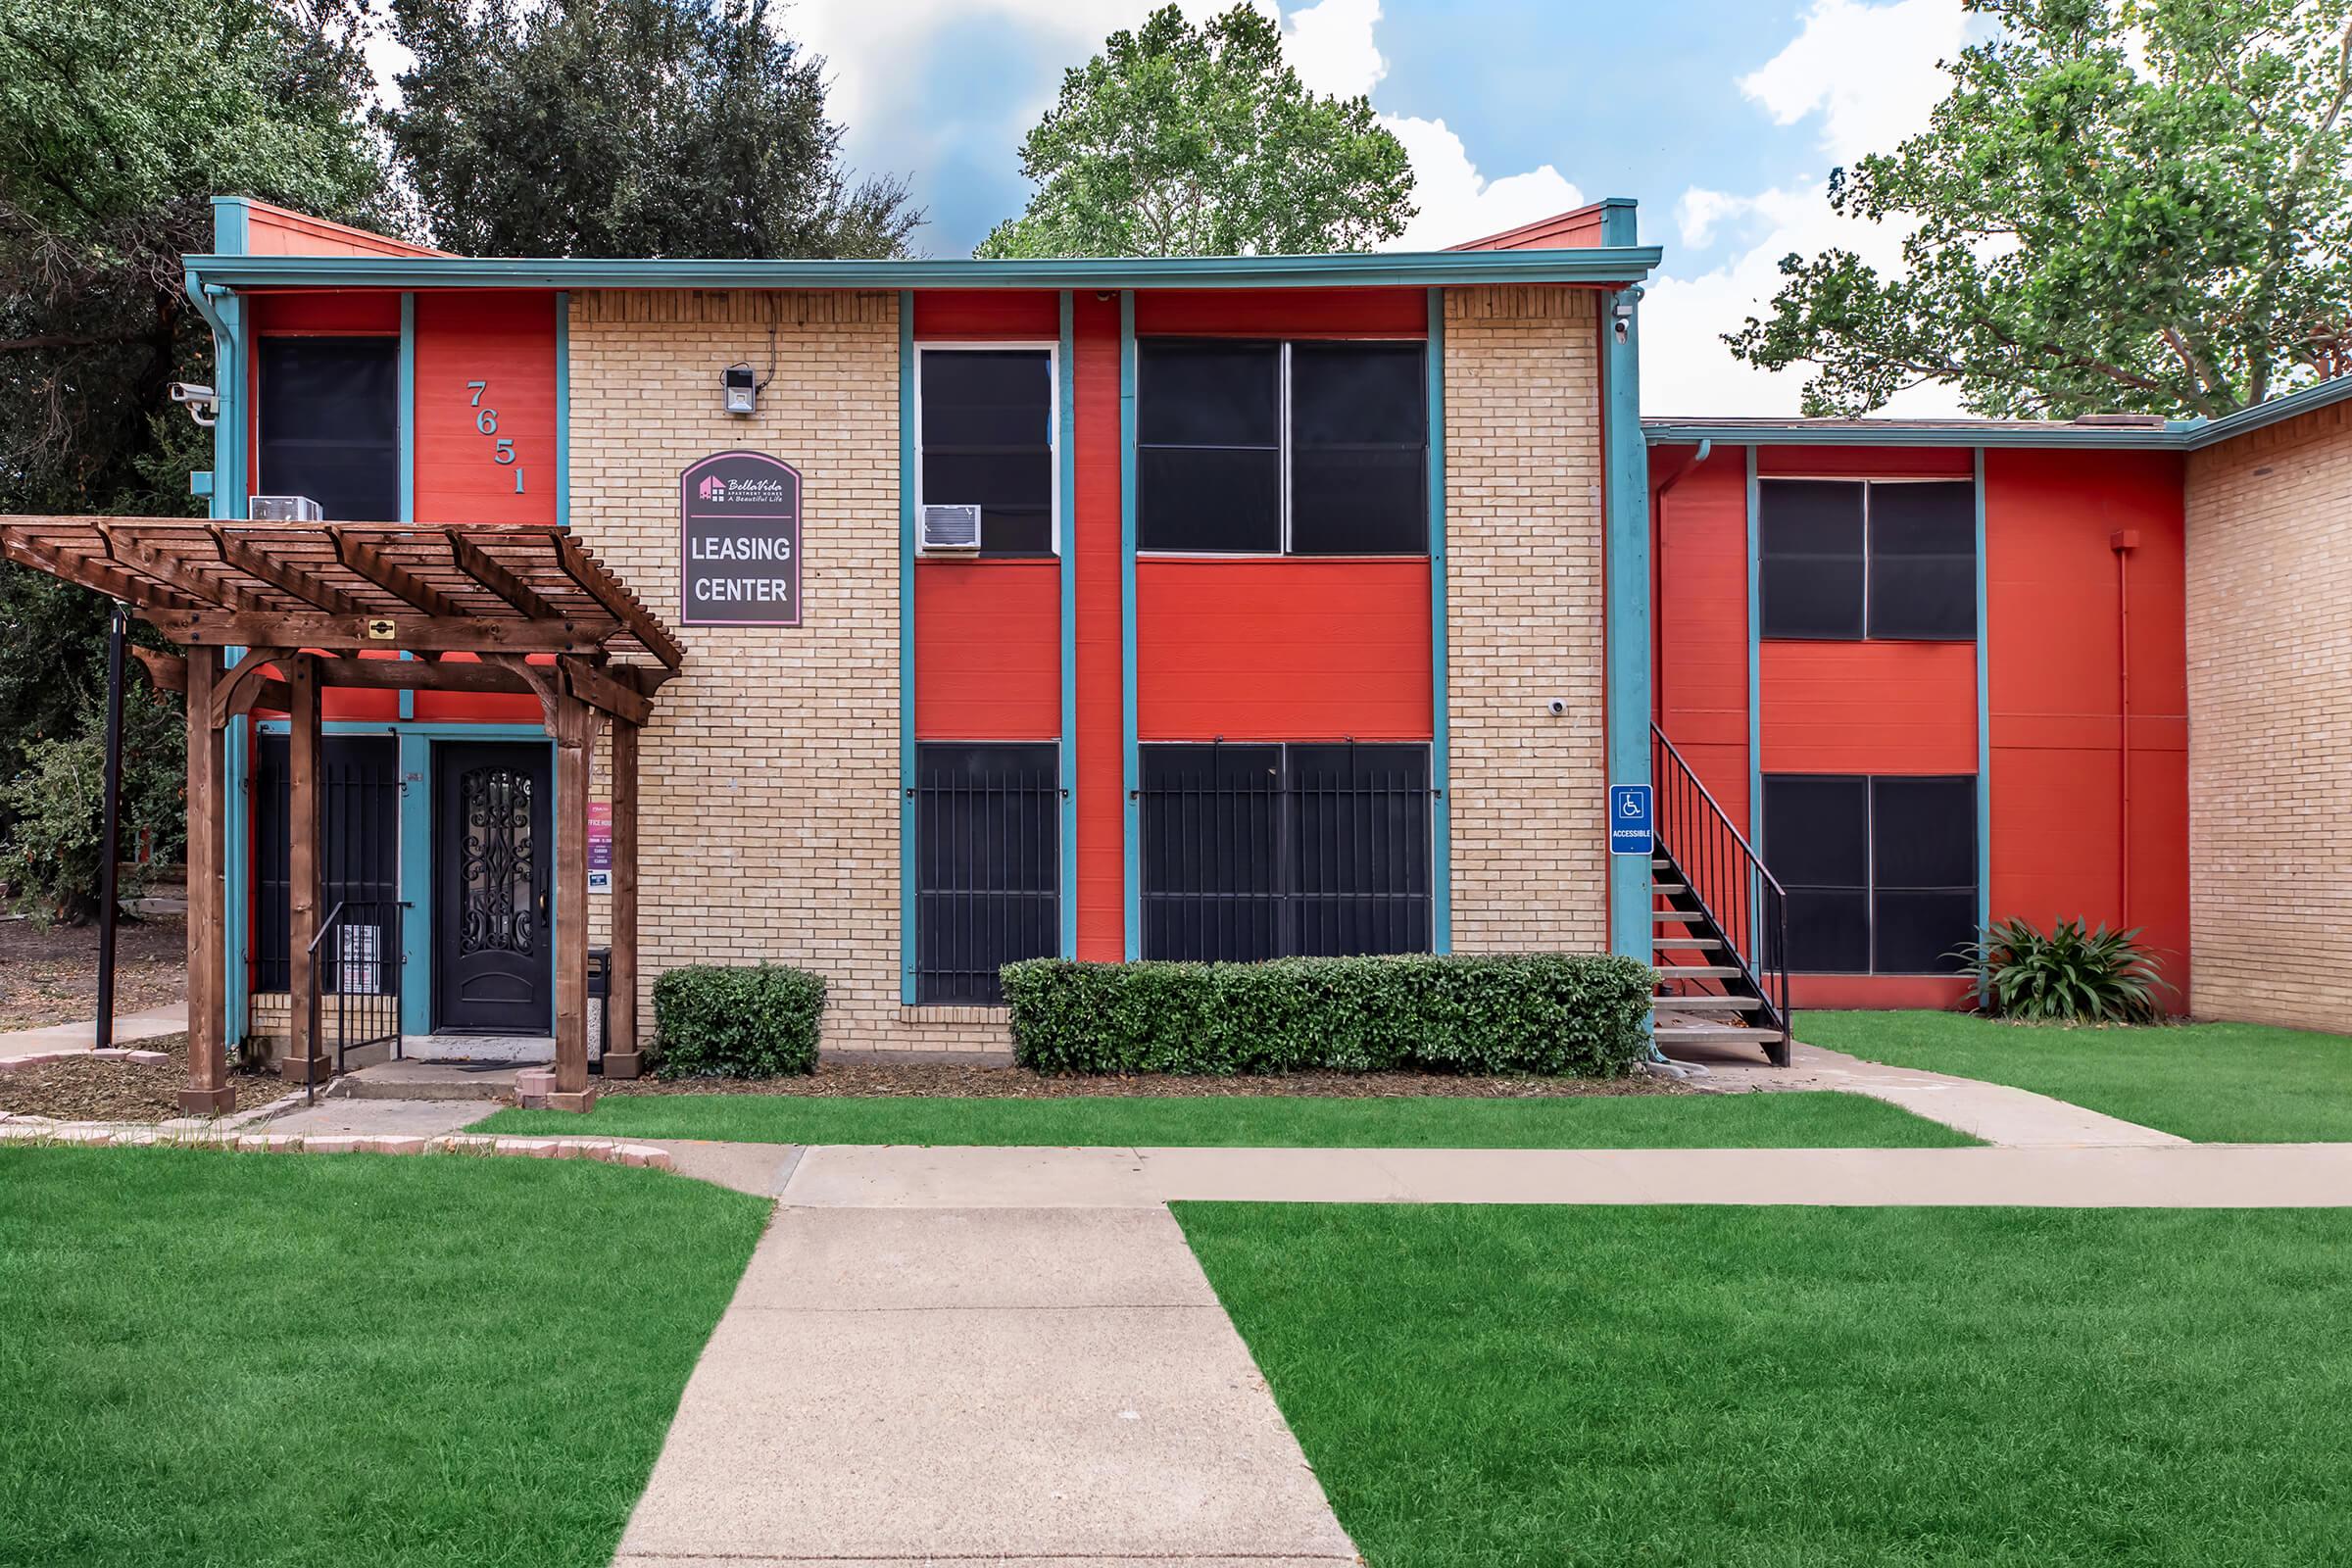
x=130, y=1029
x=1049, y=1385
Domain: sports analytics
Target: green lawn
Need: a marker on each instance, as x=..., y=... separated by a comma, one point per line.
x=2224, y=1083
x=1806, y=1387
x=212, y=1358
x=1595, y=1122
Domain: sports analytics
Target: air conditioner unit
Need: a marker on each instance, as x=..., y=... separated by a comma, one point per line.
x=951, y=531
x=284, y=508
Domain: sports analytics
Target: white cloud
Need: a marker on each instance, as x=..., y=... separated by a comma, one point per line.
x=1870, y=72
x=1329, y=45
x=1457, y=202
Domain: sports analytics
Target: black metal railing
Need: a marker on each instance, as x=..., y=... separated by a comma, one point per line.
x=356, y=961
x=988, y=864
x=1726, y=883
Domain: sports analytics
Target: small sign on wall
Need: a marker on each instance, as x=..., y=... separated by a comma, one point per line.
x=1632, y=823
x=739, y=550
x=600, y=846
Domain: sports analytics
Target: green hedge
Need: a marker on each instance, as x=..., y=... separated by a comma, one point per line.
x=1577, y=1014
x=713, y=1021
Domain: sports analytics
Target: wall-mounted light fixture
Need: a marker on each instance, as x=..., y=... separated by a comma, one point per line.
x=742, y=391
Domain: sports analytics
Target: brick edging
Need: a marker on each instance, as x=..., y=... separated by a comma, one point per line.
x=86, y=1135
x=42, y=1058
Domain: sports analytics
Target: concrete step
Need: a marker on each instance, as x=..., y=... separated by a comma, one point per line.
x=1667, y=888
x=1687, y=944
x=1704, y=1033
x=1712, y=1004
x=1698, y=972
x=428, y=1080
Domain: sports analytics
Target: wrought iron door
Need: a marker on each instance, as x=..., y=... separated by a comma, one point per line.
x=494, y=849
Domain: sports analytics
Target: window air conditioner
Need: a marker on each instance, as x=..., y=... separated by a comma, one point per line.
x=951, y=531
x=284, y=508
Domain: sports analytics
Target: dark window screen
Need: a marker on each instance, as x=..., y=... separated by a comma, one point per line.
x=359, y=838
x=1923, y=892
x=987, y=441
x=1257, y=852
x=329, y=425
x=1817, y=841
x=1359, y=449
x=1208, y=445
x=1810, y=577
x=988, y=857
x=1923, y=561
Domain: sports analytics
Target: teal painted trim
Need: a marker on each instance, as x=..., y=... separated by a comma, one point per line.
x=2205, y=433
x=407, y=408
x=232, y=225
x=1627, y=598
x=1131, y=763
x=415, y=880
x=200, y=482
x=1755, y=657
x=906, y=774
x=1619, y=221
x=1065, y=455
x=1440, y=745
x=1964, y=434
x=1984, y=716
x=408, y=698
x=1592, y=263
x=237, y=878
x=562, y=410
x=232, y=484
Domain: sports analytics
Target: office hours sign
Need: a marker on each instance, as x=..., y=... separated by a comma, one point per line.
x=740, y=541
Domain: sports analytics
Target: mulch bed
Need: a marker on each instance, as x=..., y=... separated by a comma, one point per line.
x=49, y=974
x=90, y=1090
x=883, y=1080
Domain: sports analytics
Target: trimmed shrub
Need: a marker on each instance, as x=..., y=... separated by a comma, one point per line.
x=1573, y=1015
x=2072, y=975
x=716, y=1021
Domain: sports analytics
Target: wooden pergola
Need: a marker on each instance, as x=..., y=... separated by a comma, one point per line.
x=536, y=610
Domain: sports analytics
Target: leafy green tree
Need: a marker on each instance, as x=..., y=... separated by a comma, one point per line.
x=2140, y=205
x=1179, y=140
x=52, y=858
x=627, y=128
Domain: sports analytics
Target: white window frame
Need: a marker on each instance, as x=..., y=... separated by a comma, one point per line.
x=1052, y=348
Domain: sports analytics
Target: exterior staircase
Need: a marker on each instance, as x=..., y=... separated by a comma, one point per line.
x=1720, y=925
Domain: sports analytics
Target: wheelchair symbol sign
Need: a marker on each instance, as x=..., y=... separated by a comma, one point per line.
x=1631, y=823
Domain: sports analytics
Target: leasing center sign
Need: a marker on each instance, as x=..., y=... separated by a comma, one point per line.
x=740, y=541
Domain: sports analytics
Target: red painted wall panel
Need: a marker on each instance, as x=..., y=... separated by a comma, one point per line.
x=1867, y=463
x=1032, y=314
x=1283, y=313
x=1868, y=708
x=329, y=313
x=271, y=230
x=480, y=707
x=988, y=650
x=1701, y=618
x=1283, y=650
x=507, y=340
x=1095, y=530
x=2059, y=842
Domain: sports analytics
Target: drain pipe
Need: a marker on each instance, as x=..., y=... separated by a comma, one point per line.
x=2123, y=542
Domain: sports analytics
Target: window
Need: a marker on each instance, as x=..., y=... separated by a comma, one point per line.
x=1267, y=447
x=988, y=866
x=987, y=437
x=1853, y=558
x=1265, y=851
x=1881, y=872
x=329, y=425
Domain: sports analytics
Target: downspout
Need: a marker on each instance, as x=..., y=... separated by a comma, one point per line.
x=2123, y=542
x=1657, y=577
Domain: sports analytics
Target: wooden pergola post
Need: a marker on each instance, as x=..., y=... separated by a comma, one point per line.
x=622, y=1058
x=574, y=725
x=306, y=1059
x=209, y=1092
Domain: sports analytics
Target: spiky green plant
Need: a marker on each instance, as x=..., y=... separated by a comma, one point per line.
x=2072, y=975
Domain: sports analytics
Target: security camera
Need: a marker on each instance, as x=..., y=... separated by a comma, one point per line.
x=204, y=403
x=1558, y=708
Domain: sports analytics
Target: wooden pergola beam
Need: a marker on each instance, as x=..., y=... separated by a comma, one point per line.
x=239, y=691
x=209, y=1092
x=394, y=578
x=478, y=563
x=300, y=586
x=107, y=579
x=340, y=633
x=599, y=690
x=197, y=588
x=631, y=614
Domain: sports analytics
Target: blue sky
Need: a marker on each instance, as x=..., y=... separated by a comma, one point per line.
x=1723, y=118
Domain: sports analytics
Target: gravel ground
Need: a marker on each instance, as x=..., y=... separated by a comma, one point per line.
x=49, y=974
x=882, y=1080
x=87, y=1090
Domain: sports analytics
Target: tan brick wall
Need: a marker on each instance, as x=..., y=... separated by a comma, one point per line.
x=1524, y=592
x=770, y=773
x=2270, y=714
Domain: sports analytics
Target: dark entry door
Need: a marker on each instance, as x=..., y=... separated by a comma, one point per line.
x=494, y=851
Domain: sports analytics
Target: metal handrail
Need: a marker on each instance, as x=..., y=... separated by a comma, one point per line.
x=324, y=926
x=1715, y=856
x=1721, y=816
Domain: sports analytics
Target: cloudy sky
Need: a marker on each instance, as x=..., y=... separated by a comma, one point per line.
x=1723, y=118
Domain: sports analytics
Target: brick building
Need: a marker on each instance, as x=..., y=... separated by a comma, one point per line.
x=1241, y=607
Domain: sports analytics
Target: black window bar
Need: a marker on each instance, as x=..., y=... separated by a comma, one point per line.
x=988, y=858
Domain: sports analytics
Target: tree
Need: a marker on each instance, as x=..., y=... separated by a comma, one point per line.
x=1185, y=141
x=2140, y=205
x=627, y=128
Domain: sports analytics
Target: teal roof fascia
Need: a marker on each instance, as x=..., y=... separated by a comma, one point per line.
x=2271, y=411
x=1596, y=264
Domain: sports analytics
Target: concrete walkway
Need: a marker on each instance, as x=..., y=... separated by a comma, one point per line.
x=130, y=1029
x=922, y=1384
x=1996, y=1112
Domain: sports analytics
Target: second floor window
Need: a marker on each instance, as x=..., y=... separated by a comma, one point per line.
x=1849, y=558
x=329, y=425
x=1249, y=447
x=987, y=441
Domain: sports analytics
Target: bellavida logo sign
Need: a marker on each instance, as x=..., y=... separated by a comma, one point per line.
x=739, y=541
